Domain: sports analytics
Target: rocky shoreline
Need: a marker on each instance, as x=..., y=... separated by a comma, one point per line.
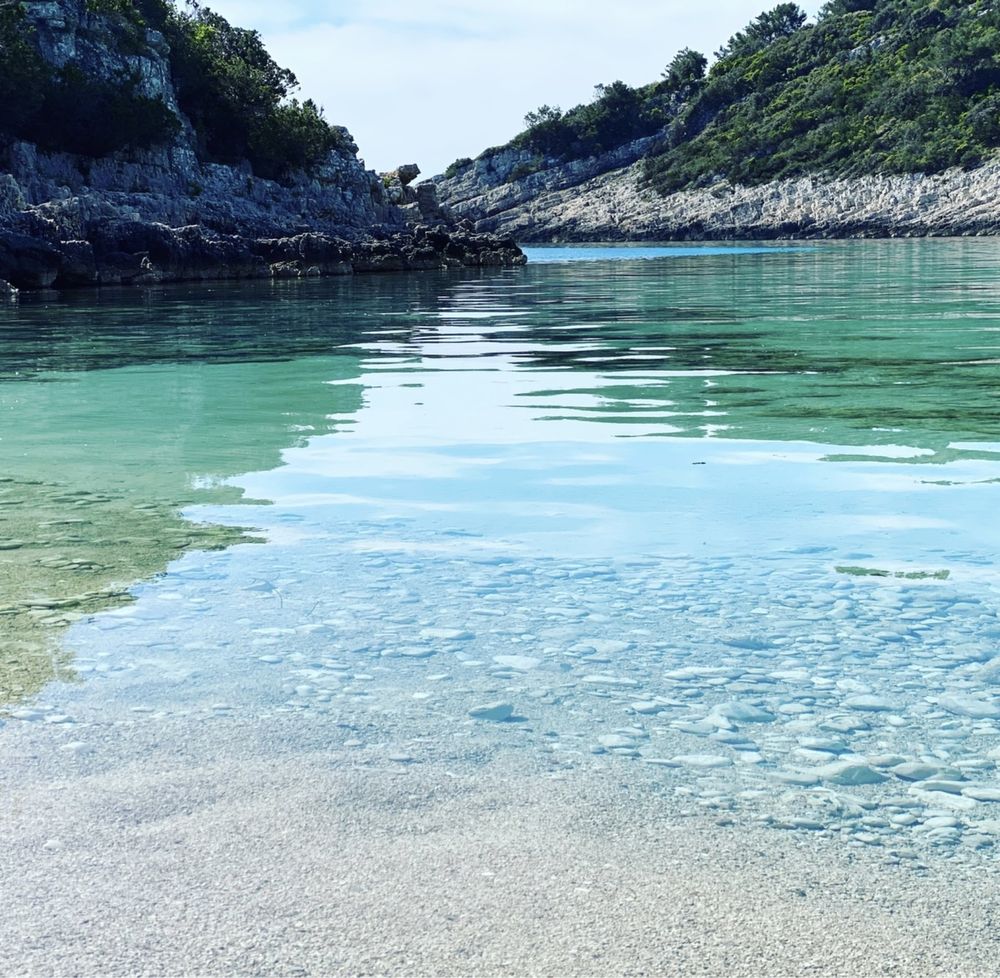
x=603, y=200
x=138, y=253
x=67, y=222
x=168, y=213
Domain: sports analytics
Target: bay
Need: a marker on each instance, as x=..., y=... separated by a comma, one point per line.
x=712, y=522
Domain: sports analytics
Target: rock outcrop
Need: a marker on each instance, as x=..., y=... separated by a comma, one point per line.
x=164, y=214
x=603, y=199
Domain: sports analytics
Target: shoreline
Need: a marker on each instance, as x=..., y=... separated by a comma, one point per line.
x=339, y=860
x=143, y=254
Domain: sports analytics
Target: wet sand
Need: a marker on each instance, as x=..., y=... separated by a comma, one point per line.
x=262, y=849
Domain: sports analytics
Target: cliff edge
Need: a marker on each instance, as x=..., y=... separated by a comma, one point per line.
x=113, y=169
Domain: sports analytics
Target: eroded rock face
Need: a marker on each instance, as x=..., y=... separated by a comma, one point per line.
x=140, y=253
x=164, y=215
x=597, y=200
x=67, y=32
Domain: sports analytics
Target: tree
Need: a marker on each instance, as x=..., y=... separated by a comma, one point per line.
x=226, y=81
x=542, y=115
x=686, y=70
x=237, y=97
x=768, y=27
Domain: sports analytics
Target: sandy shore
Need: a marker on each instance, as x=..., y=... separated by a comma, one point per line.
x=233, y=853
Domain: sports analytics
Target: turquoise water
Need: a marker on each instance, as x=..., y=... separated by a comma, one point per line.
x=543, y=254
x=722, y=518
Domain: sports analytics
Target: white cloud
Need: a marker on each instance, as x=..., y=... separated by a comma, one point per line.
x=429, y=82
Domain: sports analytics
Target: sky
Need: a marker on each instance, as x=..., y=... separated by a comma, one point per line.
x=428, y=81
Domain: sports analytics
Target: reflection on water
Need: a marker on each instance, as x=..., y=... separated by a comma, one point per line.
x=725, y=516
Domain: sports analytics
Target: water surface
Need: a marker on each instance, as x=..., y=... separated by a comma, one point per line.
x=721, y=518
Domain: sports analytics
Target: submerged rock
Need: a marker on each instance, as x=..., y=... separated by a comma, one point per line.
x=849, y=773
x=494, y=712
x=741, y=713
x=970, y=706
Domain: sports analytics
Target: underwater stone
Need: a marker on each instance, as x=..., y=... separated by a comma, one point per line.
x=970, y=706
x=741, y=713
x=496, y=712
x=849, y=772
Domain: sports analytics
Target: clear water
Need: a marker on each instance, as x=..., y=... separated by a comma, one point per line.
x=723, y=518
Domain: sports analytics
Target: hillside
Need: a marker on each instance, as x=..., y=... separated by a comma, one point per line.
x=871, y=90
x=141, y=141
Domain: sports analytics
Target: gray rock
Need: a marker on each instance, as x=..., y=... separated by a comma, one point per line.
x=740, y=712
x=970, y=706
x=868, y=704
x=603, y=199
x=495, y=712
x=702, y=760
x=611, y=741
x=849, y=773
x=519, y=663
x=164, y=214
x=916, y=771
x=948, y=787
x=982, y=793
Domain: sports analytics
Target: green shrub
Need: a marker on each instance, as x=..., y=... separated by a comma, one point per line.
x=66, y=110
x=236, y=96
x=874, y=85
x=454, y=169
x=96, y=118
x=523, y=170
x=234, y=93
x=617, y=115
x=24, y=76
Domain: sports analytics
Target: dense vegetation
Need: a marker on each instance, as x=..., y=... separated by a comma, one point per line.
x=67, y=110
x=872, y=85
x=228, y=86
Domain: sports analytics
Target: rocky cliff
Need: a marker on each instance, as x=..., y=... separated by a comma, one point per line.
x=871, y=117
x=591, y=200
x=165, y=213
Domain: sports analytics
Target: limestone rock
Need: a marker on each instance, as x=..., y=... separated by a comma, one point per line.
x=164, y=214
x=849, y=773
x=603, y=199
x=494, y=712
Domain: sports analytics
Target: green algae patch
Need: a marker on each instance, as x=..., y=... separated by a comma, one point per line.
x=939, y=575
x=69, y=553
x=99, y=467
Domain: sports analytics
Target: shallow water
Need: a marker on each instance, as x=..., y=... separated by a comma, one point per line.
x=722, y=517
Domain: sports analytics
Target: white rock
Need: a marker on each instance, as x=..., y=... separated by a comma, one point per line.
x=646, y=707
x=970, y=706
x=521, y=663
x=445, y=635
x=703, y=760
x=606, y=680
x=740, y=712
x=496, y=712
x=849, y=773
x=916, y=771
x=868, y=704
x=611, y=741
x=982, y=794
x=602, y=646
